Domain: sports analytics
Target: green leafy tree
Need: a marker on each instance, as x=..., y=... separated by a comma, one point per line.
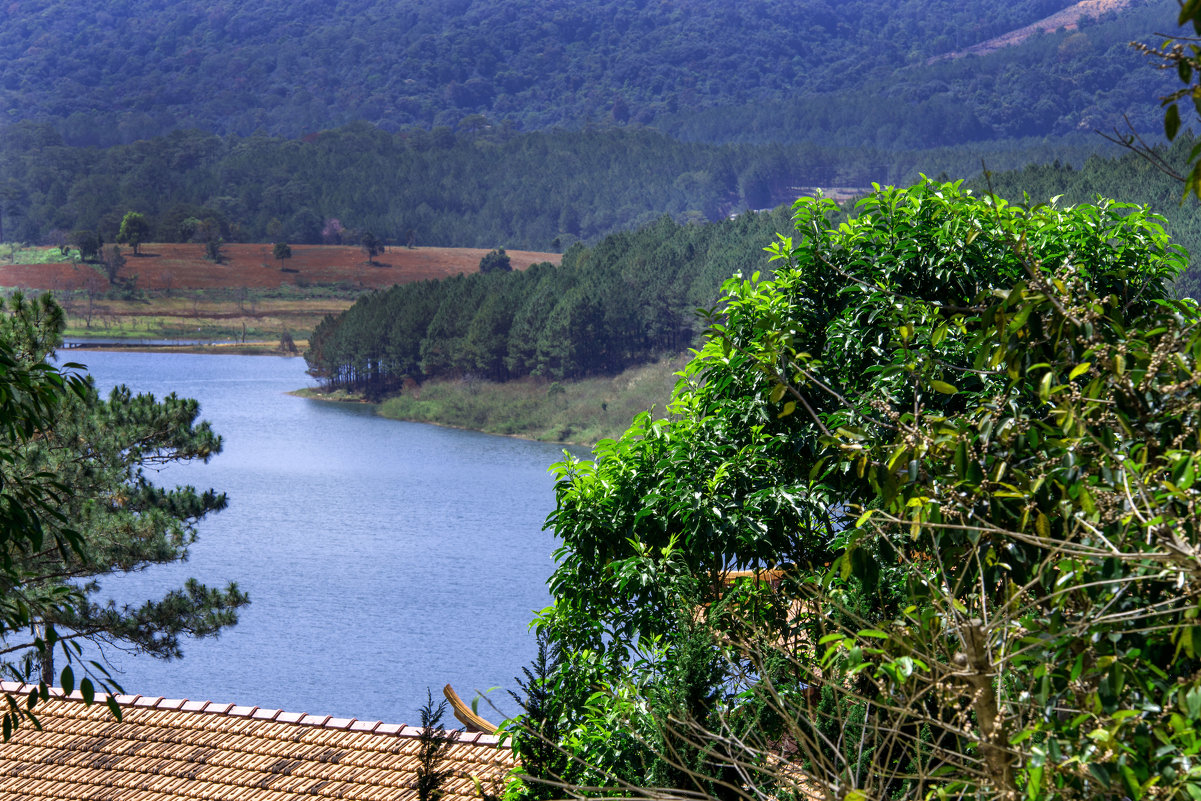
x=536, y=739
x=31, y=518
x=496, y=261
x=788, y=426
x=89, y=243
x=209, y=233
x=371, y=245
x=114, y=260
x=434, y=746
x=281, y=251
x=134, y=230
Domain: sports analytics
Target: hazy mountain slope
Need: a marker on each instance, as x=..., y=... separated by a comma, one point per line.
x=1049, y=85
x=1071, y=18
x=121, y=70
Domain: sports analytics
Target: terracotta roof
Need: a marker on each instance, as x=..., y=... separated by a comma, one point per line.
x=175, y=749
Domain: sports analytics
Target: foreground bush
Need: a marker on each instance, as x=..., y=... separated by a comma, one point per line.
x=966, y=434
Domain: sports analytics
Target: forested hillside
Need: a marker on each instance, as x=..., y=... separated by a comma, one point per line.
x=120, y=71
x=1054, y=84
x=533, y=191
x=634, y=295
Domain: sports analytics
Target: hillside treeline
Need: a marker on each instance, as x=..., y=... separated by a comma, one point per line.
x=479, y=188
x=120, y=71
x=622, y=302
x=633, y=296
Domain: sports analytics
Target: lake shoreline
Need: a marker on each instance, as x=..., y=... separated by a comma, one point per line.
x=576, y=413
x=344, y=397
x=250, y=348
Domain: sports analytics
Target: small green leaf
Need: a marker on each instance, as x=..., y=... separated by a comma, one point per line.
x=1042, y=526
x=1022, y=735
x=1021, y=317
x=67, y=680
x=114, y=707
x=1189, y=475
x=88, y=691
x=788, y=409
x=944, y=387
x=1079, y=370
x=1171, y=121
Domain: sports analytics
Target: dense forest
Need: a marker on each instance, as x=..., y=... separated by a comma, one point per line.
x=622, y=302
x=767, y=70
x=538, y=190
x=523, y=124
x=634, y=295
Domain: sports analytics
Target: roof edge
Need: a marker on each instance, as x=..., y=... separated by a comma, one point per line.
x=272, y=715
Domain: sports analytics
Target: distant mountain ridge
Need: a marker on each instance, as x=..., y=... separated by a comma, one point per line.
x=128, y=69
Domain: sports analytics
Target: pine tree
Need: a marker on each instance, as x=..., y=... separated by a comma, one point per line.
x=97, y=449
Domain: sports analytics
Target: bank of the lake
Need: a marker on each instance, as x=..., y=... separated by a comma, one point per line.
x=570, y=412
x=247, y=348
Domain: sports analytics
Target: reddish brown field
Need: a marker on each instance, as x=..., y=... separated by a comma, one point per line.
x=175, y=266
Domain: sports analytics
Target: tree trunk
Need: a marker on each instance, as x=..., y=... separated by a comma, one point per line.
x=994, y=739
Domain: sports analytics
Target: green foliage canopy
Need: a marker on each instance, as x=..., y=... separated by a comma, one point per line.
x=819, y=395
x=134, y=230
x=496, y=261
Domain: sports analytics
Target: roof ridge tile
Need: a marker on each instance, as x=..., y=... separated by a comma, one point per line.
x=230, y=710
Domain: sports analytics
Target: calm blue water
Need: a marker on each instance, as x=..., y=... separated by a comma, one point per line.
x=381, y=557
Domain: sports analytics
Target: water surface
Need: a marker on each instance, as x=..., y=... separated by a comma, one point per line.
x=382, y=558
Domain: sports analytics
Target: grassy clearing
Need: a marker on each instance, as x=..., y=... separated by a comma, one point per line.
x=215, y=315
x=18, y=253
x=571, y=412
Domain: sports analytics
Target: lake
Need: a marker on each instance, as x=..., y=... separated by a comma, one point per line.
x=381, y=558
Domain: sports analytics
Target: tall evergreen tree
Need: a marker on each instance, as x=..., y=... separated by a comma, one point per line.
x=98, y=449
